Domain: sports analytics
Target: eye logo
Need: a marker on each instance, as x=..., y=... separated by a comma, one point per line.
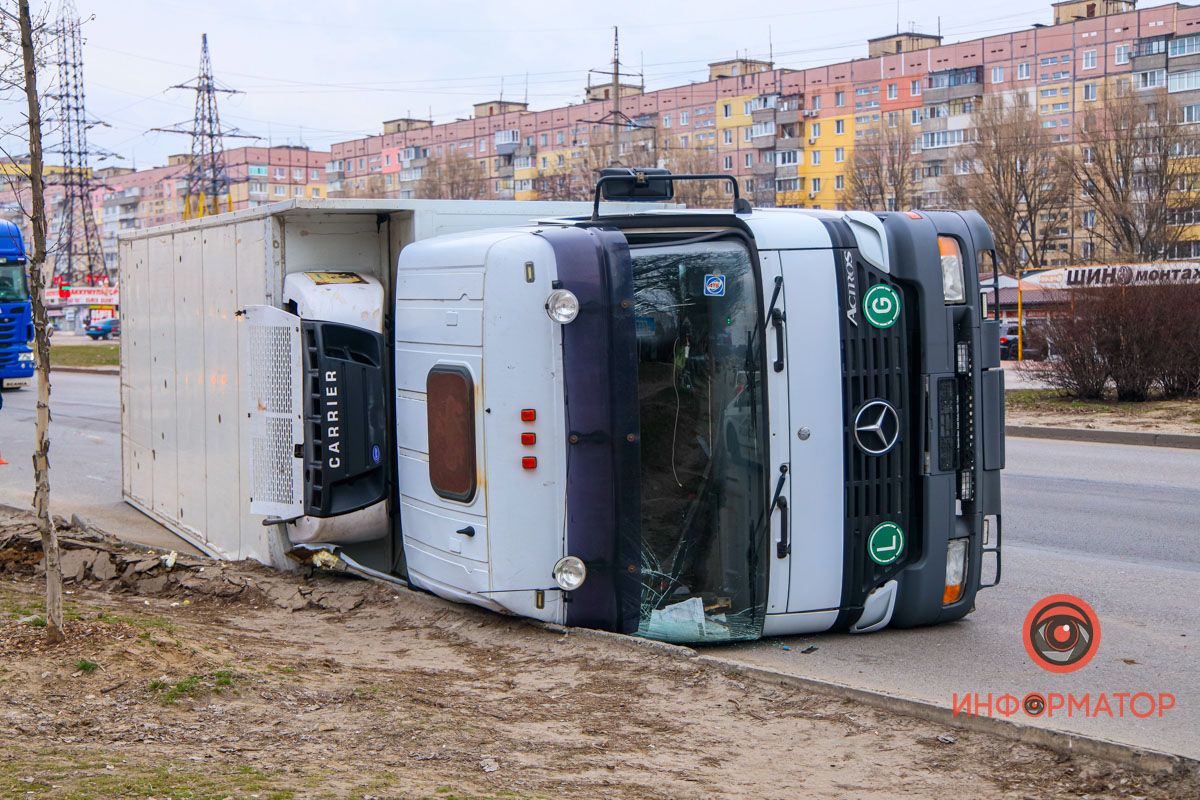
x=1061, y=633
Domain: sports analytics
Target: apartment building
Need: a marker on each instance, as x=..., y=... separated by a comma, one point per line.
x=789, y=135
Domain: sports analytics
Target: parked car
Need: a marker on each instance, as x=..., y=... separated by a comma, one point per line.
x=104, y=329
x=1033, y=348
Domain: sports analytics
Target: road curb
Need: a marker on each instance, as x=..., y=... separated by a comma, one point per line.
x=88, y=370
x=1143, y=438
x=1059, y=741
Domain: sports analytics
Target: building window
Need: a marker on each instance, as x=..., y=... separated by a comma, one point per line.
x=839, y=154
x=279, y=191
x=727, y=110
x=839, y=182
x=914, y=116
x=816, y=158
x=893, y=119
x=559, y=137
x=1121, y=54
x=1089, y=91
x=1089, y=220
x=1183, y=81
x=1089, y=59
x=787, y=158
x=297, y=174
x=839, y=126
x=257, y=170
x=816, y=185
x=997, y=74
x=893, y=91
x=1149, y=79
x=279, y=173
x=749, y=160
x=816, y=102
x=1191, y=113
x=1023, y=71
x=683, y=118
x=839, y=99
x=914, y=88
x=450, y=420
x=728, y=162
x=544, y=139
x=1184, y=45
x=316, y=191
x=814, y=130
x=666, y=120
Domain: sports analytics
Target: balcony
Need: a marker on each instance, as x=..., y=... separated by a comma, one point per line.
x=761, y=168
x=762, y=115
x=953, y=84
x=788, y=117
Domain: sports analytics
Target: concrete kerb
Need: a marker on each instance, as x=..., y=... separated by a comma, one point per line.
x=1059, y=741
x=1142, y=438
x=90, y=370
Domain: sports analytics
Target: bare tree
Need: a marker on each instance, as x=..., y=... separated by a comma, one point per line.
x=1135, y=170
x=1017, y=178
x=19, y=75
x=452, y=176
x=696, y=160
x=881, y=174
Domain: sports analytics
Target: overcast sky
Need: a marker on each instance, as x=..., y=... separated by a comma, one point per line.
x=315, y=77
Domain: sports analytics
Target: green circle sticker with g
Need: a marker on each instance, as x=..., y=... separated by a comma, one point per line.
x=886, y=543
x=881, y=306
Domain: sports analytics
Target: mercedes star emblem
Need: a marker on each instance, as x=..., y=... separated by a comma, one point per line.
x=876, y=427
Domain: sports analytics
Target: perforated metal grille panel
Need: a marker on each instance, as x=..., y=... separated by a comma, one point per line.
x=272, y=386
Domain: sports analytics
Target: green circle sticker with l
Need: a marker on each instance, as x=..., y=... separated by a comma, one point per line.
x=881, y=305
x=886, y=543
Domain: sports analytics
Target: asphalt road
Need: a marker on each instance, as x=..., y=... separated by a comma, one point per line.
x=1113, y=524
x=85, y=455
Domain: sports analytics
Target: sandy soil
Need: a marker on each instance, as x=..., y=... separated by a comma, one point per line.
x=192, y=695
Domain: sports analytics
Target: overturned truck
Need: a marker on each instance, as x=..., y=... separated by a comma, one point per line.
x=692, y=425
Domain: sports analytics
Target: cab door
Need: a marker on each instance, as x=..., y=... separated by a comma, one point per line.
x=815, y=485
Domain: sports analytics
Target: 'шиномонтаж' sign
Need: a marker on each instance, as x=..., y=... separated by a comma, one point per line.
x=1113, y=275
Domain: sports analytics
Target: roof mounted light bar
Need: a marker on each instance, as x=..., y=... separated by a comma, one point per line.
x=653, y=184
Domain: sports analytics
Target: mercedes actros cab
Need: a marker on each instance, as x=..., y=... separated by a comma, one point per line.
x=16, y=319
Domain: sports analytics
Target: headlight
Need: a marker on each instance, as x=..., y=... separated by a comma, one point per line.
x=562, y=306
x=25, y=357
x=953, y=287
x=956, y=570
x=570, y=573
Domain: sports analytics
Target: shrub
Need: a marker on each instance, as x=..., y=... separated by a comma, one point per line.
x=1144, y=339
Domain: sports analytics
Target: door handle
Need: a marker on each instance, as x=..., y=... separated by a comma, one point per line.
x=777, y=321
x=784, y=548
x=467, y=531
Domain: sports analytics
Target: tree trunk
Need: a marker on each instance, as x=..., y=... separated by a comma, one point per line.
x=37, y=287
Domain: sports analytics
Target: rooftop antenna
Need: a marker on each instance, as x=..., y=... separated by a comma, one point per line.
x=526, y=98
x=897, y=16
x=207, y=179
x=770, y=48
x=502, y=92
x=617, y=118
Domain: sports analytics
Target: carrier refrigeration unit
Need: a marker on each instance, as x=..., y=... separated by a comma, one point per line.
x=691, y=425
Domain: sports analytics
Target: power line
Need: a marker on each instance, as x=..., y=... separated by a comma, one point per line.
x=80, y=253
x=207, y=177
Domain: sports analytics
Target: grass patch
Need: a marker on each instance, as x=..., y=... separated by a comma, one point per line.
x=85, y=355
x=1054, y=401
x=192, y=686
x=86, y=667
x=81, y=775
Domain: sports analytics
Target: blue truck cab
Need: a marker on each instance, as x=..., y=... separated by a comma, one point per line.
x=16, y=318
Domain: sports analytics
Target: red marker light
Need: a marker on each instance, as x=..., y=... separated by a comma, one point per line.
x=528, y=438
x=529, y=462
x=528, y=415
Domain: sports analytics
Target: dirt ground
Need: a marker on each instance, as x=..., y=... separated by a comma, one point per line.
x=1049, y=408
x=169, y=689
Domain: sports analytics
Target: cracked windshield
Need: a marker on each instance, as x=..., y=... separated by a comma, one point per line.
x=703, y=465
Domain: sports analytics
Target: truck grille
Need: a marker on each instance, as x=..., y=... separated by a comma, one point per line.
x=878, y=488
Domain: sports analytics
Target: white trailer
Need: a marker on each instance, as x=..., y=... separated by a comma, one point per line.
x=185, y=415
